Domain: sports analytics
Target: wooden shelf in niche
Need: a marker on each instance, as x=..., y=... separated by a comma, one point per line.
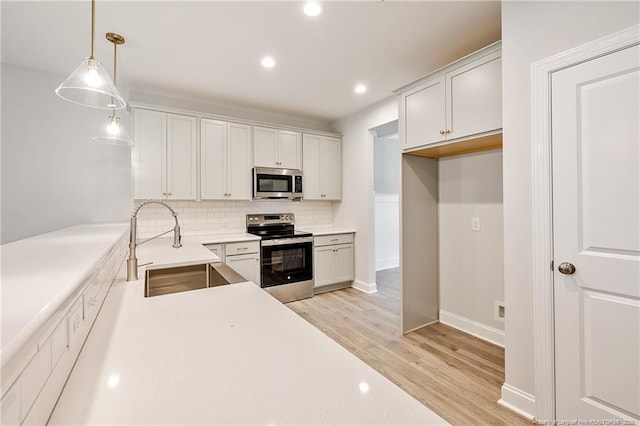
x=484, y=143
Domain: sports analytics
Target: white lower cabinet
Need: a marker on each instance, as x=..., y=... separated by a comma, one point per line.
x=33, y=395
x=10, y=406
x=333, y=260
x=243, y=257
x=34, y=377
x=247, y=265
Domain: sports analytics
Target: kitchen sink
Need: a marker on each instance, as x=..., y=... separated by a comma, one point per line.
x=192, y=277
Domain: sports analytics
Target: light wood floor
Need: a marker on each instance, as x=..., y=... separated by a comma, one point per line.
x=456, y=375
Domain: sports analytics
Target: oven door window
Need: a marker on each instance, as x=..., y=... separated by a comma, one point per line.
x=273, y=183
x=284, y=264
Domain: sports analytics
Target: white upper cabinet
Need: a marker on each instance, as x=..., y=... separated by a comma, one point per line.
x=321, y=168
x=474, y=97
x=461, y=102
x=225, y=160
x=181, y=157
x=424, y=116
x=165, y=155
x=277, y=148
x=149, y=154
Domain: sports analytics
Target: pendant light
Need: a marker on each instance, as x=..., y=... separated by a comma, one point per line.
x=89, y=84
x=113, y=132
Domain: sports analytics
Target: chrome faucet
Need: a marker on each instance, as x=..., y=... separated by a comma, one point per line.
x=132, y=261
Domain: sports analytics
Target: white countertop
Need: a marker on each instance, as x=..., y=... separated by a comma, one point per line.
x=40, y=273
x=160, y=253
x=224, y=238
x=223, y=355
x=326, y=230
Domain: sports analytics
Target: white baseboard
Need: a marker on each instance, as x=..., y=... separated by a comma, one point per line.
x=484, y=332
x=365, y=287
x=388, y=263
x=519, y=401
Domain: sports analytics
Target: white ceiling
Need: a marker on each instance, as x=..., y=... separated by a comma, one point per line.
x=211, y=50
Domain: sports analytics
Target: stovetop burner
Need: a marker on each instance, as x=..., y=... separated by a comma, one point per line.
x=274, y=226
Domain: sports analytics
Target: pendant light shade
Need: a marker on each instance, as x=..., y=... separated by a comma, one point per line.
x=113, y=132
x=89, y=84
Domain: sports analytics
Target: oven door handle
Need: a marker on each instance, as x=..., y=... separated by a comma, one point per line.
x=286, y=241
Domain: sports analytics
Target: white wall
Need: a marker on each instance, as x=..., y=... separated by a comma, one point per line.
x=357, y=206
x=53, y=174
x=387, y=164
x=208, y=106
x=387, y=231
x=470, y=262
x=532, y=31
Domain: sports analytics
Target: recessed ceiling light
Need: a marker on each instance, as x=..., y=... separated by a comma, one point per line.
x=312, y=8
x=268, y=62
x=360, y=89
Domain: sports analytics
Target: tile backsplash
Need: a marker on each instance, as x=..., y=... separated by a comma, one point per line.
x=220, y=217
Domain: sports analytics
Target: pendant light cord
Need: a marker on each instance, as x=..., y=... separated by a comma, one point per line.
x=93, y=29
x=115, y=62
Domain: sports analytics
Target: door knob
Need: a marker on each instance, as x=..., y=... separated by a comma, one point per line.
x=566, y=268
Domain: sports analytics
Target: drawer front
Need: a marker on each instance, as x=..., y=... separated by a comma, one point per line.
x=58, y=343
x=217, y=249
x=242, y=248
x=10, y=407
x=75, y=322
x=34, y=377
x=328, y=240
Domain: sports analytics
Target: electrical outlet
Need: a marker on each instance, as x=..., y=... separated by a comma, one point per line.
x=475, y=224
x=498, y=311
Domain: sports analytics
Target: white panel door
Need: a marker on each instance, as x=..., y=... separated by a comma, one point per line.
x=344, y=263
x=474, y=97
x=289, y=150
x=213, y=135
x=331, y=167
x=182, y=170
x=311, y=148
x=323, y=266
x=149, y=154
x=238, y=161
x=265, y=141
x=424, y=114
x=596, y=222
x=247, y=265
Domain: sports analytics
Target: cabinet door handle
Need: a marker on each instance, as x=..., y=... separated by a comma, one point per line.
x=335, y=239
x=447, y=131
x=442, y=132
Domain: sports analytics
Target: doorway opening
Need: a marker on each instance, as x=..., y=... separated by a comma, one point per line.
x=386, y=204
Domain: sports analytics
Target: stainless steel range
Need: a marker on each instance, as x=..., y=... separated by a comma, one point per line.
x=286, y=256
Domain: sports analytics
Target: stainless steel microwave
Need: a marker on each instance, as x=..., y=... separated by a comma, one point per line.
x=277, y=183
